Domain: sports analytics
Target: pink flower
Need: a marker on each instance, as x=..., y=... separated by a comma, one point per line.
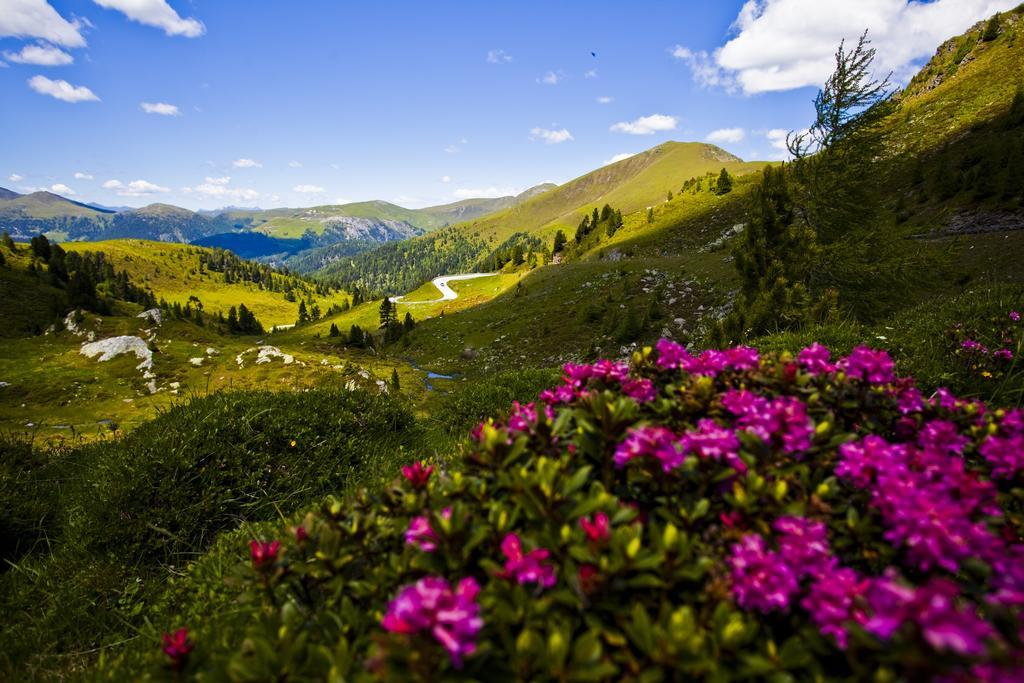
x=641, y=390
x=780, y=421
x=177, y=647
x=1005, y=454
x=653, y=442
x=301, y=534
x=815, y=359
x=589, y=577
x=742, y=358
x=803, y=545
x=1003, y=354
x=597, y=530
x=526, y=567
x=263, y=553
x=671, y=355
x=421, y=535
x=761, y=580
x=933, y=609
x=1015, y=316
x=831, y=602
x=709, y=441
x=869, y=365
x=417, y=474
x=971, y=345
x=452, y=618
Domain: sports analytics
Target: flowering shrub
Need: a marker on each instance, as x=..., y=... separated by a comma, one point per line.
x=721, y=516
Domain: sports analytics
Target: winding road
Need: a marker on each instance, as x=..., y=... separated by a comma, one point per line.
x=447, y=293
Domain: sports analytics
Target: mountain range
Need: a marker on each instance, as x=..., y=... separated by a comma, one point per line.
x=251, y=232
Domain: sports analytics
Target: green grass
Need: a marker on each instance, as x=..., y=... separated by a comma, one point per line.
x=172, y=272
x=123, y=515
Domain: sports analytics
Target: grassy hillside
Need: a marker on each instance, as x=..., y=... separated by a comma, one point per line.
x=173, y=272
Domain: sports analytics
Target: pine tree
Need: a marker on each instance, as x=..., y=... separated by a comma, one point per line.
x=303, y=314
x=724, y=185
x=409, y=323
x=650, y=214
x=992, y=28
x=334, y=332
x=388, y=313
x=40, y=247
x=395, y=382
x=559, y=242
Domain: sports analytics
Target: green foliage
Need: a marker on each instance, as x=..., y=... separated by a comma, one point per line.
x=724, y=183
x=105, y=521
x=653, y=598
x=489, y=395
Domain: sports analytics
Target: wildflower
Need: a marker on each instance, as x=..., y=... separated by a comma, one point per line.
x=815, y=359
x=861, y=461
x=292, y=443
x=177, y=647
x=641, y=390
x=932, y=607
x=417, y=474
x=421, y=535
x=761, y=580
x=655, y=442
x=831, y=602
x=451, y=617
x=1015, y=316
x=597, y=529
x=300, y=533
x=526, y=567
x=783, y=420
x=971, y=345
x=742, y=358
x=1003, y=354
x=671, y=355
x=263, y=553
x=869, y=365
x=1005, y=454
x=709, y=441
x=803, y=545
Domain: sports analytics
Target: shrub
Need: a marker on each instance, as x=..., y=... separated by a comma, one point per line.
x=722, y=517
x=462, y=410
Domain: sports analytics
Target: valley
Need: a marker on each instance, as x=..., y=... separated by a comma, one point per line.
x=682, y=415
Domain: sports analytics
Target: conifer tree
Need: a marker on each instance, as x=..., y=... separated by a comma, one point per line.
x=724, y=185
x=559, y=244
x=395, y=382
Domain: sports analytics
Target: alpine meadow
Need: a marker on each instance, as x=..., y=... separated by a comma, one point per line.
x=400, y=341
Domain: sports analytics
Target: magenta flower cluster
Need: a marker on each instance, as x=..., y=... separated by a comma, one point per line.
x=531, y=567
x=432, y=606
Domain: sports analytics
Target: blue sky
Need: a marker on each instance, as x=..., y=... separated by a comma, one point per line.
x=413, y=102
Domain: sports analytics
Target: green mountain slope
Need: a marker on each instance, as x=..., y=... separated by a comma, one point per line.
x=631, y=185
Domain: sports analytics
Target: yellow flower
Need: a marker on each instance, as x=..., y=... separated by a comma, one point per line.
x=293, y=443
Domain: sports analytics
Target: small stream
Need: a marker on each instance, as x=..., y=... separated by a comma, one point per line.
x=430, y=374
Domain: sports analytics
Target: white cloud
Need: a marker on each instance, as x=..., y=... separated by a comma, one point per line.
x=37, y=19
x=136, y=188
x=246, y=163
x=294, y=164
x=62, y=90
x=336, y=167
x=308, y=189
x=604, y=99
x=592, y=73
x=777, y=139
x=156, y=13
x=618, y=157
x=446, y=179
x=452, y=149
x=646, y=125
x=342, y=200
x=498, y=57
x=723, y=135
x=41, y=55
x=217, y=187
x=486, y=192
x=83, y=176
x=551, y=137
x=787, y=44
x=161, y=108
x=551, y=78
x=15, y=177
x=61, y=188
